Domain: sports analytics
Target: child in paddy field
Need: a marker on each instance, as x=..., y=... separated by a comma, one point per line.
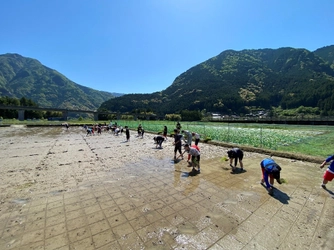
x=270, y=169
x=189, y=155
x=329, y=173
x=195, y=154
x=177, y=144
x=165, y=132
x=236, y=154
x=159, y=140
x=188, y=135
x=197, y=137
x=127, y=133
x=90, y=131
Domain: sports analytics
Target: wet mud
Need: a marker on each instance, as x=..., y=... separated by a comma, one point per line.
x=61, y=189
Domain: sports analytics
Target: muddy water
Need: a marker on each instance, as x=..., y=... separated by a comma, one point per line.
x=63, y=189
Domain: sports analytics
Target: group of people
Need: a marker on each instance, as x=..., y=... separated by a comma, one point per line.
x=194, y=153
x=98, y=128
x=186, y=137
x=272, y=171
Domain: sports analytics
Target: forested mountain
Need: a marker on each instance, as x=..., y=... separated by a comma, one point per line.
x=326, y=53
x=238, y=81
x=25, y=77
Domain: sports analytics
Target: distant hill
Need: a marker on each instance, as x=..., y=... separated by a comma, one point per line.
x=117, y=94
x=239, y=81
x=26, y=77
x=326, y=53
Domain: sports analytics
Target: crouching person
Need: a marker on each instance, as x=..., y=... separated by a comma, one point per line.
x=195, y=154
x=158, y=141
x=270, y=170
x=236, y=154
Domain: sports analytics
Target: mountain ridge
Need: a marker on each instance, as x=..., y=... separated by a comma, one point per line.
x=26, y=77
x=238, y=81
x=231, y=82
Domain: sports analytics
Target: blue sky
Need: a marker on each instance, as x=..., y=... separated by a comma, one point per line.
x=141, y=46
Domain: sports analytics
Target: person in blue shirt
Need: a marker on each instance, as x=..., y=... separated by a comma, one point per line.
x=329, y=173
x=271, y=170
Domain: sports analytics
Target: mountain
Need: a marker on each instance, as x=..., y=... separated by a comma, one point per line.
x=327, y=54
x=239, y=81
x=26, y=77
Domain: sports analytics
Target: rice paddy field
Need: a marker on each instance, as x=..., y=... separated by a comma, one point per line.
x=312, y=140
x=301, y=139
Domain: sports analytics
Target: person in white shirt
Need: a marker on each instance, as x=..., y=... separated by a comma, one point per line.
x=197, y=137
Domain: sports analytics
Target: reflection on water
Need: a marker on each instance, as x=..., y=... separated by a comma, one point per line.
x=20, y=201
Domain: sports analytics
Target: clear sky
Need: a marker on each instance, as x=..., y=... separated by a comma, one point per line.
x=141, y=46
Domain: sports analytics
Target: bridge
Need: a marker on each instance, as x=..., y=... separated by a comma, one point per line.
x=65, y=112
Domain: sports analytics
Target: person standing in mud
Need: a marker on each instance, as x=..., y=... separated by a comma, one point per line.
x=142, y=132
x=177, y=143
x=178, y=127
x=139, y=128
x=188, y=136
x=165, y=132
x=127, y=133
x=197, y=137
x=236, y=154
x=99, y=129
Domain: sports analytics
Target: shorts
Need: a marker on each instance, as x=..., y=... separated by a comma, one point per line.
x=195, y=158
x=328, y=176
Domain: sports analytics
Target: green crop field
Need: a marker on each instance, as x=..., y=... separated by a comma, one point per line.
x=302, y=139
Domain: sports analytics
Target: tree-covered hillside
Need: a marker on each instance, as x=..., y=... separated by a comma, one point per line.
x=327, y=54
x=239, y=81
x=25, y=77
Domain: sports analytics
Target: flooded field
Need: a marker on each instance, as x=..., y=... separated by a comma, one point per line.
x=61, y=189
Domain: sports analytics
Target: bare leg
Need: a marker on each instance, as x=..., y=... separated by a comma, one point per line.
x=241, y=165
x=271, y=180
x=324, y=182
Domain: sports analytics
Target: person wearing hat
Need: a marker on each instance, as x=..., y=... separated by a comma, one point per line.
x=270, y=169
